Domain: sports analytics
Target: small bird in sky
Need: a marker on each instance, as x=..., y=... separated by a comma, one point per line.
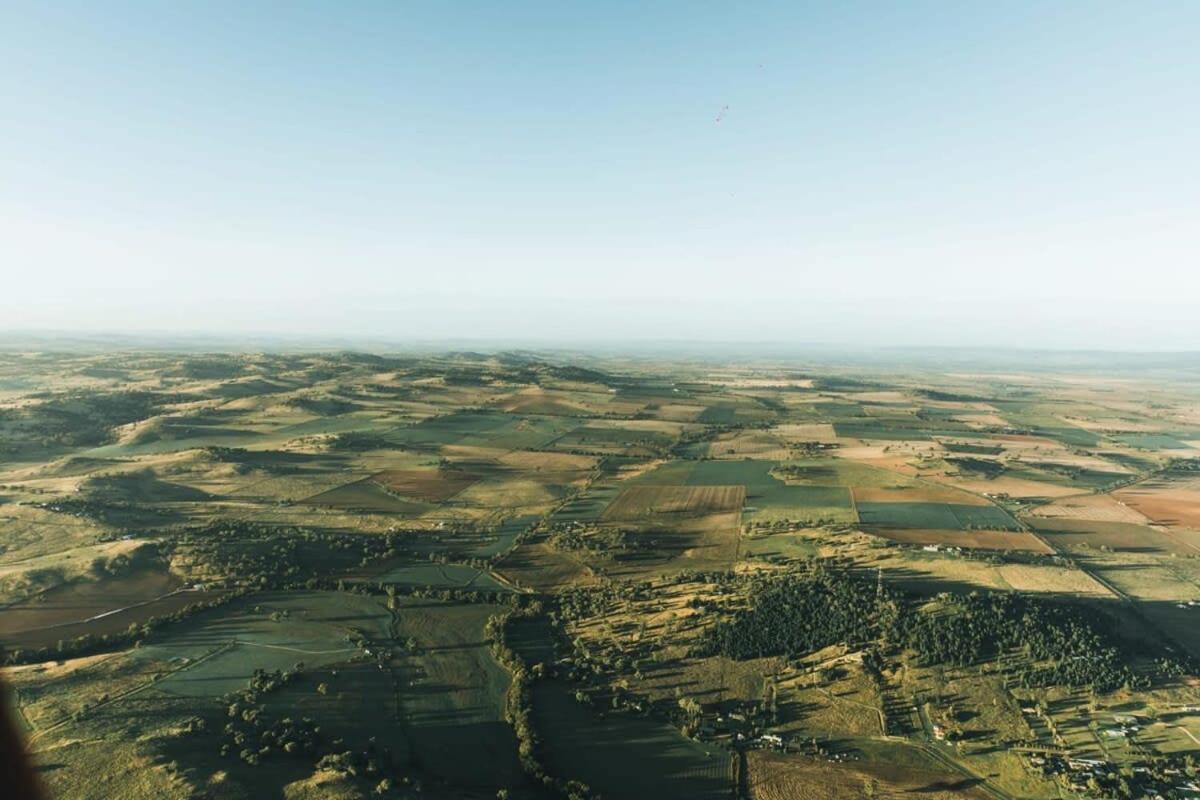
x=721, y=114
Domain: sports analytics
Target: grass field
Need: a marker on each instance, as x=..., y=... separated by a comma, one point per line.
x=632, y=502
x=614, y=441
x=934, y=516
x=781, y=545
x=440, y=576
x=639, y=502
x=1117, y=536
x=228, y=644
x=365, y=495
x=451, y=696
x=768, y=497
x=626, y=756
x=777, y=776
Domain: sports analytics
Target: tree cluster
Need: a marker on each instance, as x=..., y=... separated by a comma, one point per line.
x=800, y=613
x=518, y=705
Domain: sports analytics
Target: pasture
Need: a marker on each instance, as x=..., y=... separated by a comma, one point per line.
x=439, y=576
x=641, y=502
x=1083, y=534
x=270, y=631
x=590, y=487
x=908, y=773
x=622, y=755
x=450, y=694
x=934, y=516
x=365, y=495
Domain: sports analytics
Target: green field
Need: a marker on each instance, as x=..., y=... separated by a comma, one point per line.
x=451, y=696
x=846, y=556
x=225, y=646
x=1154, y=441
x=768, y=498
x=935, y=515
x=440, y=576
x=626, y=756
x=490, y=429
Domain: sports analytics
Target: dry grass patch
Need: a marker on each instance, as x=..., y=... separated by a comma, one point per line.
x=778, y=776
x=1095, y=507
x=741, y=444
x=677, y=412
x=1014, y=487
x=807, y=432
x=536, y=400
x=1048, y=579
x=511, y=493
x=532, y=461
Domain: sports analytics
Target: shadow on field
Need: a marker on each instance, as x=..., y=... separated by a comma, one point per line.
x=946, y=786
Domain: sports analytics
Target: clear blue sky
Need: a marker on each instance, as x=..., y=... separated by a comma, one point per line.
x=886, y=173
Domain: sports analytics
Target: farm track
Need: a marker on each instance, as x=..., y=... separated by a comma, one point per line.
x=945, y=759
x=295, y=649
x=101, y=615
x=1189, y=734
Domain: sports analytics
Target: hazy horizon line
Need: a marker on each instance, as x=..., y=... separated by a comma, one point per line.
x=250, y=340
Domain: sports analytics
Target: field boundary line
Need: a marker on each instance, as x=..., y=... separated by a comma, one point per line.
x=294, y=649
x=135, y=690
x=103, y=614
x=1190, y=735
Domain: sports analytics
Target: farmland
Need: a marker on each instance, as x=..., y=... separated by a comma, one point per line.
x=748, y=580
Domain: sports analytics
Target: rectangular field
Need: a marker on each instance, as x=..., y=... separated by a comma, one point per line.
x=945, y=516
x=980, y=540
x=1116, y=536
x=431, y=486
x=267, y=631
x=639, y=502
x=1167, y=502
x=451, y=696
x=365, y=495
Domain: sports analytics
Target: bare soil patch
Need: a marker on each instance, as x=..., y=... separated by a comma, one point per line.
x=428, y=485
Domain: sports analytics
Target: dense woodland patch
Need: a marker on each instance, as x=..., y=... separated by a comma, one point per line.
x=801, y=613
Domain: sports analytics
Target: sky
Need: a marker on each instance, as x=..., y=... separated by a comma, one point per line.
x=864, y=173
